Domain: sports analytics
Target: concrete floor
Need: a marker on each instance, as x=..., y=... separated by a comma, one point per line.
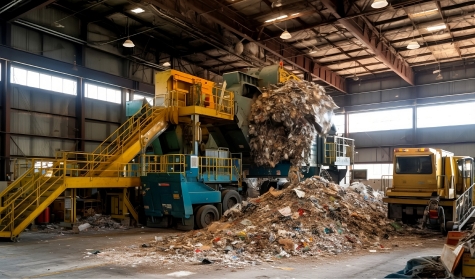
x=52, y=255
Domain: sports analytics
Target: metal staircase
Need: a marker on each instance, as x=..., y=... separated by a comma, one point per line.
x=464, y=208
x=125, y=143
x=29, y=195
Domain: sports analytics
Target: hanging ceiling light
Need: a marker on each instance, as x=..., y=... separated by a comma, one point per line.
x=276, y=4
x=128, y=42
x=378, y=4
x=439, y=77
x=413, y=45
x=285, y=35
x=167, y=64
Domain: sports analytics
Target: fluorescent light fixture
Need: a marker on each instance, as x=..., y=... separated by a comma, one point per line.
x=437, y=27
x=378, y=4
x=138, y=10
x=276, y=18
x=295, y=14
x=413, y=45
x=128, y=43
x=424, y=13
x=167, y=64
x=57, y=24
x=285, y=35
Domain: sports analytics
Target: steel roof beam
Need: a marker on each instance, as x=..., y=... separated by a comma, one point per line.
x=446, y=8
x=370, y=37
x=227, y=19
x=444, y=19
x=439, y=42
x=405, y=39
x=23, y=9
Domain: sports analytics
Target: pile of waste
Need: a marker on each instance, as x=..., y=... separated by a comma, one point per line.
x=99, y=221
x=312, y=218
x=285, y=119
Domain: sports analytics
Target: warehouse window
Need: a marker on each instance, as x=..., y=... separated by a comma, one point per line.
x=103, y=93
x=139, y=97
x=43, y=165
x=376, y=171
x=380, y=120
x=446, y=115
x=339, y=122
x=43, y=81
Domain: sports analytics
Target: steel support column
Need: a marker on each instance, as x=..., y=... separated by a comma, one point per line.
x=80, y=116
x=5, y=92
x=5, y=33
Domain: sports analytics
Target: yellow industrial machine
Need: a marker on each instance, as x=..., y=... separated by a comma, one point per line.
x=431, y=184
x=158, y=148
x=180, y=98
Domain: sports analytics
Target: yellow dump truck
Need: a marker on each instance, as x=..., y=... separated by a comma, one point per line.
x=432, y=185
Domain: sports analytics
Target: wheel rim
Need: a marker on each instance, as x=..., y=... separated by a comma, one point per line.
x=208, y=218
x=232, y=202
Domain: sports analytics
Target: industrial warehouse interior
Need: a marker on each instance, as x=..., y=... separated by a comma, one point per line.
x=237, y=138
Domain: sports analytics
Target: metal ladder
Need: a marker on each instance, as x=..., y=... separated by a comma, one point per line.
x=464, y=208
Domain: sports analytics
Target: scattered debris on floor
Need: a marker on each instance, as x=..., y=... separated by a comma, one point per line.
x=180, y=273
x=315, y=218
x=97, y=222
x=284, y=120
x=423, y=267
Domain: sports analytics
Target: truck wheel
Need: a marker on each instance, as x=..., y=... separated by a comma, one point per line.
x=230, y=198
x=449, y=226
x=160, y=222
x=184, y=224
x=442, y=220
x=206, y=215
x=264, y=188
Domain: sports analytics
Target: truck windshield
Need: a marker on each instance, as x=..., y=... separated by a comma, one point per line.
x=413, y=165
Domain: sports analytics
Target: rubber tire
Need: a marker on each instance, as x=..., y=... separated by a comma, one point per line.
x=181, y=227
x=163, y=223
x=441, y=214
x=264, y=187
x=449, y=226
x=229, y=198
x=206, y=215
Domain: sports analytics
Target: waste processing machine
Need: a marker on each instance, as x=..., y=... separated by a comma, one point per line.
x=432, y=185
x=160, y=149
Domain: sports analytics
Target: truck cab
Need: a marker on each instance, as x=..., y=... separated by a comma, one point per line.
x=419, y=175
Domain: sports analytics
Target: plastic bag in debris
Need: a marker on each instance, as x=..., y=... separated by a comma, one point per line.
x=84, y=227
x=235, y=209
x=299, y=192
x=424, y=267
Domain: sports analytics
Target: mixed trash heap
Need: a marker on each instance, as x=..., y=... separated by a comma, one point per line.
x=314, y=217
x=285, y=119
